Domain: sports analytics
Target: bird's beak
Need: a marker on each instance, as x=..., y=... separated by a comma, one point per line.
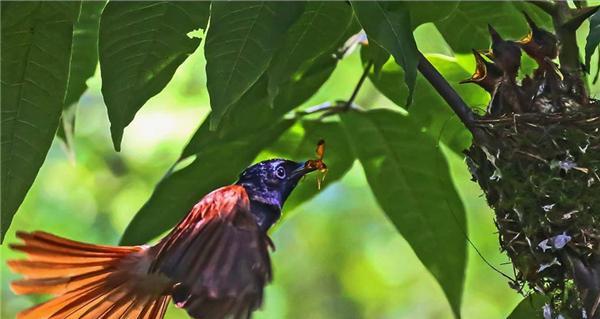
x=303, y=169
x=494, y=34
x=480, y=69
x=526, y=39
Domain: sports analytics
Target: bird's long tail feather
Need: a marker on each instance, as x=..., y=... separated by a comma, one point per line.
x=88, y=281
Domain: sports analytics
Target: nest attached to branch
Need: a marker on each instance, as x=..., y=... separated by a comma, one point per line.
x=539, y=166
x=541, y=175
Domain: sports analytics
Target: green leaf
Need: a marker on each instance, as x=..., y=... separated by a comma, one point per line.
x=529, y=308
x=141, y=45
x=593, y=38
x=300, y=147
x=253, y=105
x=84, y=51
x=84, y=59
x=410, y=179
x=240, y=44
x=429, y=110
x=66, y=130
x=429, y=11
x=316, y=31
x=378, y=56
x=466, y=28
x=388, y=24
x=36, y=42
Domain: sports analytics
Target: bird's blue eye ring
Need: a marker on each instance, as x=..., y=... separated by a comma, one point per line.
x=280, y=172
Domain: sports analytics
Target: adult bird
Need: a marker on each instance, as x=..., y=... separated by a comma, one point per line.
x=214, y=263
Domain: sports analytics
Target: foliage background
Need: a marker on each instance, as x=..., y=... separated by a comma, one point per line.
x=338, y=256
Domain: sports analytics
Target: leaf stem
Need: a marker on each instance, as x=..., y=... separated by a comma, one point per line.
x=359, y=84
x=339, y=106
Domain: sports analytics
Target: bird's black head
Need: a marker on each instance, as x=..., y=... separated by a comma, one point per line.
x=268, y=184
x=271, y=182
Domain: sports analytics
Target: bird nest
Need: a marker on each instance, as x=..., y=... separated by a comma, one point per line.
x=537, y=160
x=541, y=175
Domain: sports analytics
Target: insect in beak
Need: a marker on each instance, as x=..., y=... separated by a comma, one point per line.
x=318, y=164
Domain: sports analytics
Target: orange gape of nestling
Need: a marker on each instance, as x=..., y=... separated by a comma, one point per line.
x=214, y=263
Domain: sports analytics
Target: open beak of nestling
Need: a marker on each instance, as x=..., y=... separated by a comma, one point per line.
x=480, y=69
x=526, y=40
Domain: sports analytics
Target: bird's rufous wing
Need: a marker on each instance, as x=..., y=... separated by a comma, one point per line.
x=218, y=257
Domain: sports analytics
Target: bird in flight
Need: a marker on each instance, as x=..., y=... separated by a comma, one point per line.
x=214, y=263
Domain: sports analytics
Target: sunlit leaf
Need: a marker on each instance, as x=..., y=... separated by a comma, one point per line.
x=36, y=47
x=429, y=110
x=378, y=56
x=316, y=31
x=410, y=179
x=529, y=308
x=593, y=38
x=240, y=44
x=66, y=130
x=84, y=59
x=388, y=24
x=141, y=45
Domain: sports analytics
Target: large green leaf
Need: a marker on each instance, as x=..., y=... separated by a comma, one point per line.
x=466, y=28
x=318, y=30
x=429, y=110
x=84, y=59
x=593, y=38
x=529, y=308
x=141, y=45
x=301, y=146
x=388, y=25
x=410, y=179
x=242, y=134
x=429, y=11
x=36, y=47
x=240, y=43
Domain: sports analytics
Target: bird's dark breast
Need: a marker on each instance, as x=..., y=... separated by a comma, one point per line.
x=265, y=215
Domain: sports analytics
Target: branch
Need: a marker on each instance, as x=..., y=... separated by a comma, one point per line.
x=566, y=21
x=458, y=105
x=579, y=16
x=339, y=106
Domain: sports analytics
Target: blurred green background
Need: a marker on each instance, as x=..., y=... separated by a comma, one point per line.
x=337, y=256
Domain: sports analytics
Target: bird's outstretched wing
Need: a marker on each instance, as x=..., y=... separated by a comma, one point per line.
x=218, y=257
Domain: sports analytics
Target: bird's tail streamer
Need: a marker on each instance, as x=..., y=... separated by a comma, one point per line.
x=87, y=281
